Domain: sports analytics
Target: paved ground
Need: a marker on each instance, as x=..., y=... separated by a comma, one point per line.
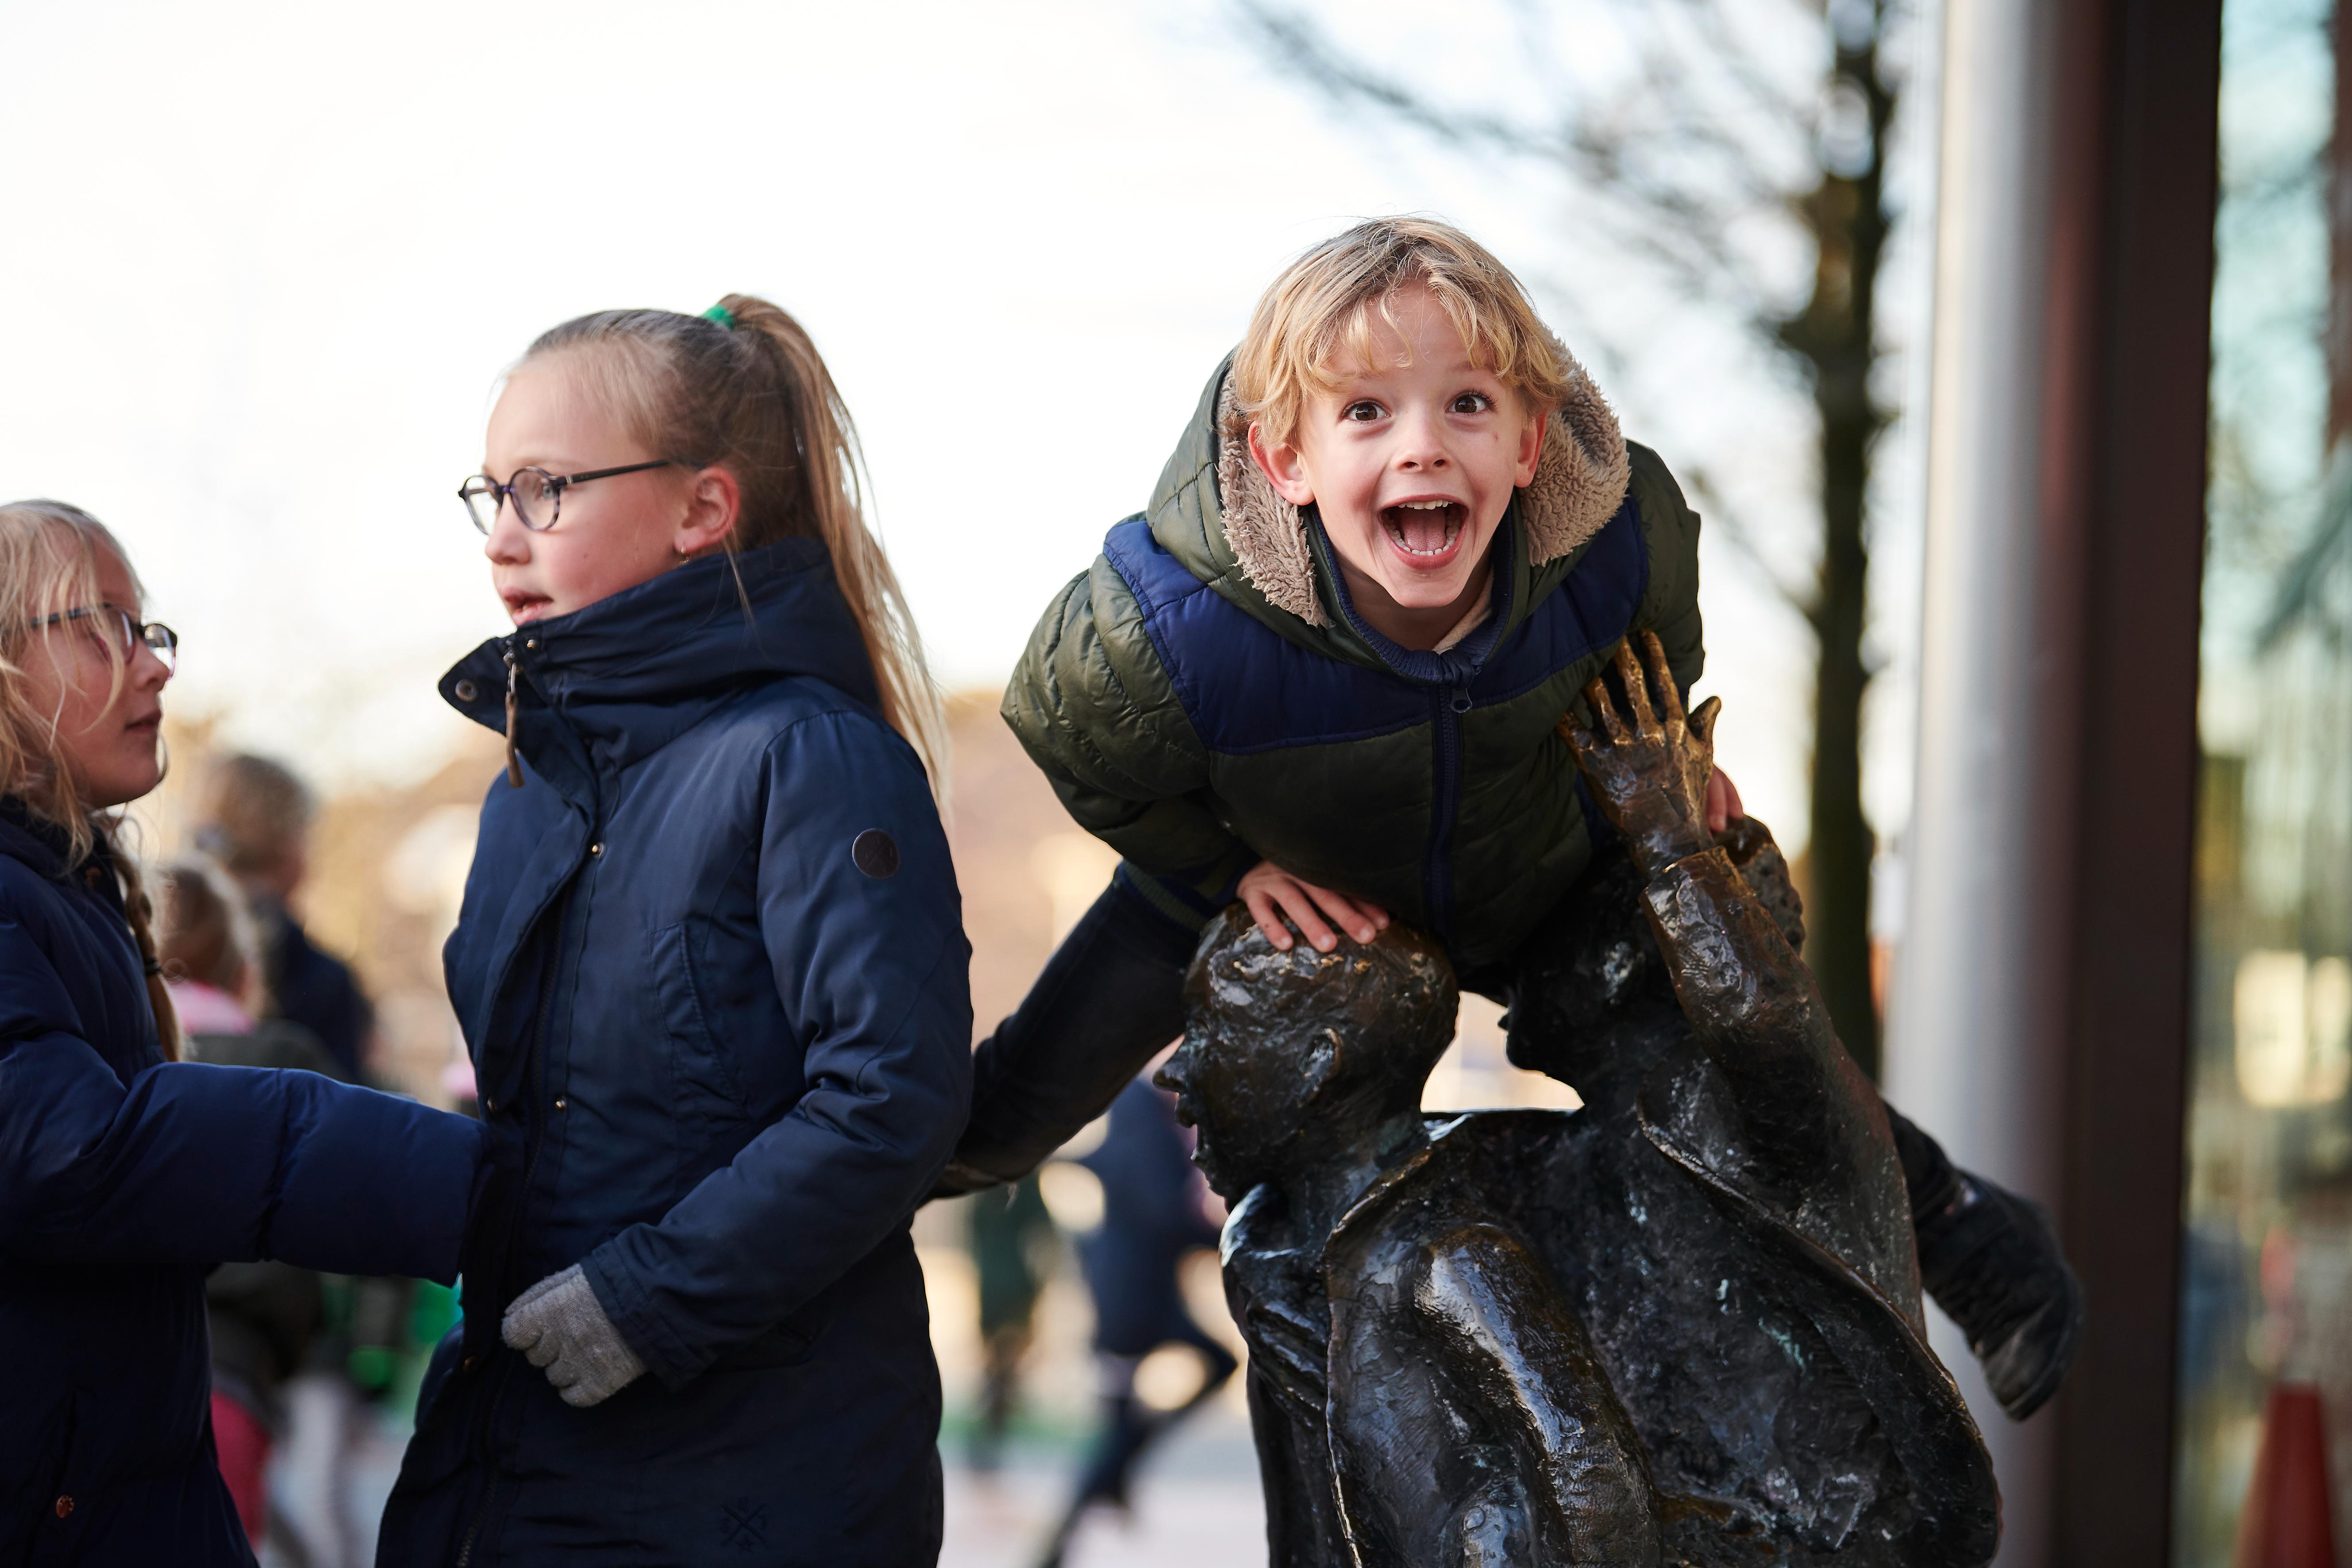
x=1196, y=1502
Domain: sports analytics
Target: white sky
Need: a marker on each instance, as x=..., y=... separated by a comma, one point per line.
x=267, y=262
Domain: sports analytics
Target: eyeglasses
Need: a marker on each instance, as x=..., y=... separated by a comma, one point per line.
x=537, y=495
x=128, y=631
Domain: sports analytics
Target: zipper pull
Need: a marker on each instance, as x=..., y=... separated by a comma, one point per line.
x=514, y=760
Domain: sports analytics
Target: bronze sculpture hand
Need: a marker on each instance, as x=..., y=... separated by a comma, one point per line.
x=1649, y=779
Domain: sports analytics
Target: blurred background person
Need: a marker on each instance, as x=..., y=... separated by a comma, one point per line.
x=1013, y=1240
x=1156, y=1211
x=265, y=1317
x=255, y=819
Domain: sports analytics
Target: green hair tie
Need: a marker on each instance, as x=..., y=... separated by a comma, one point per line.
x=722, y=315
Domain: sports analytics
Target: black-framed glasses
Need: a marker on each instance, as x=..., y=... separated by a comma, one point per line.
x=127, y=630
x=536, y=494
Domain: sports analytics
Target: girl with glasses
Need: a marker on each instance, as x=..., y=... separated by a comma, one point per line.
x=126, y=1174
x=711, y=970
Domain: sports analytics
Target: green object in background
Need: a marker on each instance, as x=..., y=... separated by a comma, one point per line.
x=370, y=1368
x=435, y=1312
x=1012, y=1239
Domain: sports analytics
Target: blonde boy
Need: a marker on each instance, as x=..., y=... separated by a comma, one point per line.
x=1320, y=673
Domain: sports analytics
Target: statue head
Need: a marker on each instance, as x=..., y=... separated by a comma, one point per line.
x=1590, y=986
x=1294, y=1058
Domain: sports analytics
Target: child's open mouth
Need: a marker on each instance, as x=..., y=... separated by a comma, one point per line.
x=1424, y=532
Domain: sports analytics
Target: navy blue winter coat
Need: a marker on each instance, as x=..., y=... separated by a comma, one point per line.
x=712, y=967
x=123, y=1180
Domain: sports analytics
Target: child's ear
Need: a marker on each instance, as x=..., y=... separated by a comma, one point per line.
x=1531, y=440
x=714, y=502
x=1284, y=466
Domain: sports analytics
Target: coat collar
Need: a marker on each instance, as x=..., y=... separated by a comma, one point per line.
x=32, y=839
x=606, y=686
x=28, y=836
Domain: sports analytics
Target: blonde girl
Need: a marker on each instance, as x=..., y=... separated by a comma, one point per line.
x=126, y=1174
x=711, y=970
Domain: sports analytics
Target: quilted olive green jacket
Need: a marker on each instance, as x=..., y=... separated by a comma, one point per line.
x=1204, y=695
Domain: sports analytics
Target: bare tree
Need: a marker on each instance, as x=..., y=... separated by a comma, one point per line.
x=1678, y=165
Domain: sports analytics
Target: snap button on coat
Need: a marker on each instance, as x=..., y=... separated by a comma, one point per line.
x=875, y=853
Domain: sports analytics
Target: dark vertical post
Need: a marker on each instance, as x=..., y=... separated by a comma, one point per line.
x=2128, y=472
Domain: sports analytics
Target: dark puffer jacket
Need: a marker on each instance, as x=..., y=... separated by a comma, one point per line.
x=123, y=1179
x=1205, y=696
x=712, y=970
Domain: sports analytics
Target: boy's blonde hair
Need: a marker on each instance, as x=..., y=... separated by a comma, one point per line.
x=49, y=555
x=1319, y=315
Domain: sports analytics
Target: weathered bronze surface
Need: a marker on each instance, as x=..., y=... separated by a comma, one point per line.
x=1679, y=1325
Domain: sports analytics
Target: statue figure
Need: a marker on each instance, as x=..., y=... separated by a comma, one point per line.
x=1681, y=1325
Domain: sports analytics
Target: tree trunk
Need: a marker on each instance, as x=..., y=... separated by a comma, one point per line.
x=1835, y=334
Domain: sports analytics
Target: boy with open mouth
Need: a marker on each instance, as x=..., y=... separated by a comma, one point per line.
x=1320, y=674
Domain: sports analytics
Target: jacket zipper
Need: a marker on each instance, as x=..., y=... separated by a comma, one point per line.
x=1446, y=706
x=465, y=1551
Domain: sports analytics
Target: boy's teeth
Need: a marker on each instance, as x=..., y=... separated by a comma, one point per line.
x=1422, y=528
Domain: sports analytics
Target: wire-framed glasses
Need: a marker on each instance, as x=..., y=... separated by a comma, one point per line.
x=125, y=630
x=536, y=495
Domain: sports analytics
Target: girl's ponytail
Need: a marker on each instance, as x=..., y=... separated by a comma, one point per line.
x=744, y=385
x=836, y=469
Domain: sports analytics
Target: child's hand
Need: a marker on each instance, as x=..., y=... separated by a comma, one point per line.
x=1272, y=892
x=1723, y=807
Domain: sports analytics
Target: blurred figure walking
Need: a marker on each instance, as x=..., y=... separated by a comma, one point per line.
x=256, y=821
x=1012, y=1240
x=1156, y=1211
x=264, y=1315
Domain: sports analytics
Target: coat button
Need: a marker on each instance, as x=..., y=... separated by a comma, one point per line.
x=596, y=850
x=469, y=1363
x=65, y=1505
x=561, y=1103
x=875, y=853
x=532, y=642
x=467, y=690
x=489, y=1103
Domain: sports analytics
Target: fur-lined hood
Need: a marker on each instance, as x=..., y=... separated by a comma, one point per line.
x=1580, y=482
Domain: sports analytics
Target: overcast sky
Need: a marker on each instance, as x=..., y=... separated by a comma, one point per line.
x=266, y=263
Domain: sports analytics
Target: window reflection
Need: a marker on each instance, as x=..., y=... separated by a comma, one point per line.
x=2266, y=1328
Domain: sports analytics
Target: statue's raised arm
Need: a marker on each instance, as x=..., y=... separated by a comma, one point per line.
x=1810, y=1137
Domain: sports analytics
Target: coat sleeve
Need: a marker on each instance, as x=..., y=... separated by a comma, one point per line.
x=872, y=970
x=208, y=1164
x=1096, y=711
x=1670, y=603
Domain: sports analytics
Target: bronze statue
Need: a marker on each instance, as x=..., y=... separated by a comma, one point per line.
x=1680, y=1325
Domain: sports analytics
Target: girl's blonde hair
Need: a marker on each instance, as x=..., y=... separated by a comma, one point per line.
x=1317, y=317
x=49, y=557
x=751, y=393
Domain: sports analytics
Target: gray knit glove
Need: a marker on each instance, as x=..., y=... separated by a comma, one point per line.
x=559, y=1324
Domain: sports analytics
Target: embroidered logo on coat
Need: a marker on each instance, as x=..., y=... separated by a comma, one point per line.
x=743, y=1524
